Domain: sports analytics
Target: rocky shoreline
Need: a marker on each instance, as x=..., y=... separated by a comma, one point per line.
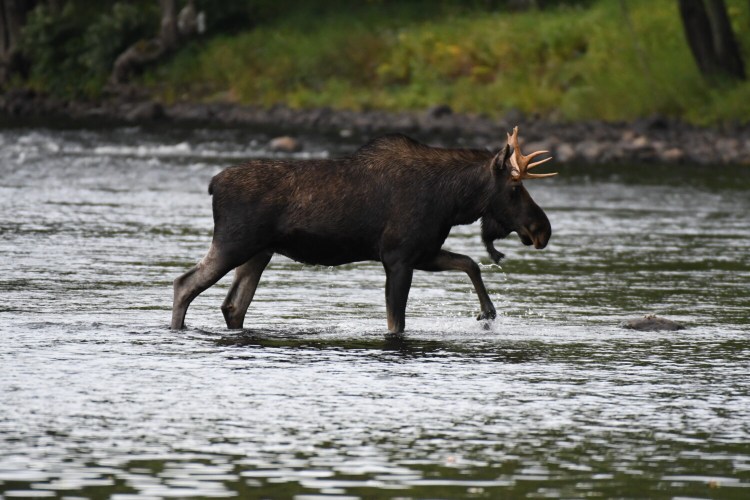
x=653, y=140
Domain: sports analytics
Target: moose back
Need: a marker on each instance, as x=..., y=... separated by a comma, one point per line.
x=395, y=201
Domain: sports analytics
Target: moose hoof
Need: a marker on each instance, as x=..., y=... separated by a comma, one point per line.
x=497, y=257
x=487, y=315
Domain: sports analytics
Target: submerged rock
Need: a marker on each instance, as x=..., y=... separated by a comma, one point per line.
x=652, y=323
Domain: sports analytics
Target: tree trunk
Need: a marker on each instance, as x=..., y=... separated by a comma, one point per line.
x=710, y=38
x=12, y=19
x=725, y=45
x=15, y=16
x=146, y=52
x=698, y=33
x=168, y=32
x=4, y=40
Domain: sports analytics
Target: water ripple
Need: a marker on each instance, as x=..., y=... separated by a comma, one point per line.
x=554, y=399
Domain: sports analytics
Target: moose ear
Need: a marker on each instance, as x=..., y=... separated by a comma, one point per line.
x=498, y=162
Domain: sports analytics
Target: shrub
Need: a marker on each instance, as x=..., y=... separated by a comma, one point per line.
x=72, y=52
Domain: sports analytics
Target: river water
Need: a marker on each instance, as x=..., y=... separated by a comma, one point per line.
x=99, y=399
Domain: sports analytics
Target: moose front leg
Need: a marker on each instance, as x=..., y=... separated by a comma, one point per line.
x=495, y=254
x=492, y=231
x=449, y=261
x=397, y=285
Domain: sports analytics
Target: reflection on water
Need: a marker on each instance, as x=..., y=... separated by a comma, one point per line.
x=98, y=399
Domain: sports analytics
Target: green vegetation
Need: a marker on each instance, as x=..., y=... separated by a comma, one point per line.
x=72, y=51
x=567, y=61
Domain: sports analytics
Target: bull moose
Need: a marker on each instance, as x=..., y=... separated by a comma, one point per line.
x=394, y=201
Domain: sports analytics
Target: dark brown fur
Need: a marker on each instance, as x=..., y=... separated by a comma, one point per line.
x=394, y=201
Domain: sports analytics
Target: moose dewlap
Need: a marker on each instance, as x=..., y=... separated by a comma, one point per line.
x=394, y=201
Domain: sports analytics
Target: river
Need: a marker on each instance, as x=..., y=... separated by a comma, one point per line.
x=99, y=399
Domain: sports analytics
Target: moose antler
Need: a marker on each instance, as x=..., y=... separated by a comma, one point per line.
x=520, y=164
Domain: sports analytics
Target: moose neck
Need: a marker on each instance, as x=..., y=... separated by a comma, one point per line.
x=469, y=184
x=459, y=182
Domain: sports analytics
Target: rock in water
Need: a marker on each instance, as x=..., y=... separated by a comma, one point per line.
x=652, y=323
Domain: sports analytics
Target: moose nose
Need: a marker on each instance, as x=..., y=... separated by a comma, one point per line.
x=540, y=243
x=540, y=235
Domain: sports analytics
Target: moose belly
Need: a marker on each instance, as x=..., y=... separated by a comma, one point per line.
x=325, y=250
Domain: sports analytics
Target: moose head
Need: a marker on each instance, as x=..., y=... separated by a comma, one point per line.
x=511, y=208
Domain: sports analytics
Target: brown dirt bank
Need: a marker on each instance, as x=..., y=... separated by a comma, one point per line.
x=644, y=141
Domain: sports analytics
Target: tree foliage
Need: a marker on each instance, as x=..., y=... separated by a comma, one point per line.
x=75, y=47
x=571, y=58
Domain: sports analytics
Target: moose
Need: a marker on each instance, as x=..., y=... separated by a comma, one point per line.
x=394, y=201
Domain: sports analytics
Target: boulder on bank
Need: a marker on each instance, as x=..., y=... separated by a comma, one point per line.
x=145, y=112
x=285, y=144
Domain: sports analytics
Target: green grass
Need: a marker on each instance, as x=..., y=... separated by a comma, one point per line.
x=565, y=63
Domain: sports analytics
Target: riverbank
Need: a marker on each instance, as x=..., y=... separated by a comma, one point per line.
x=650, y=140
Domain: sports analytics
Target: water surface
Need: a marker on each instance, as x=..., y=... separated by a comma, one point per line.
x=99, y=399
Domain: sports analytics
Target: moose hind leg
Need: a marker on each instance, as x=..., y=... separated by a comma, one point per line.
x=449, y=261
x=191, y=284
x=242, y=291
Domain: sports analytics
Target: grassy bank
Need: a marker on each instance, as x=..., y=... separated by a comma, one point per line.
x=566, y=63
